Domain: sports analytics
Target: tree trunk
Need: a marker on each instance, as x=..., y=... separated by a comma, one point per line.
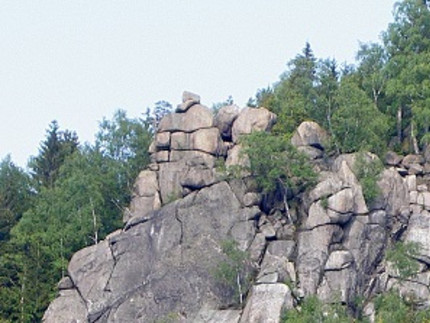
x=399, y=124
x=96, y=235
x=414, y=140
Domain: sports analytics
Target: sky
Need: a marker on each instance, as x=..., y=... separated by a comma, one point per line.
x=77, y=61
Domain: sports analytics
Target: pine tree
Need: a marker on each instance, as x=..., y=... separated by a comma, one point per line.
x=52, y=154
x=294, y=95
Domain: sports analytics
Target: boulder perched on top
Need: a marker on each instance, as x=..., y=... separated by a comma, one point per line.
x=188, y=100
x=196, y=117
x=251, y=119
x=224, y=120
x=309, y=133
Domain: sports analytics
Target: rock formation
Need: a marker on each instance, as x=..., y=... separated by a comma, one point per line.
x=161, y=267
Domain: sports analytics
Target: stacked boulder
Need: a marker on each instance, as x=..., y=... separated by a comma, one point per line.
x=187, y=147
x=160, y=266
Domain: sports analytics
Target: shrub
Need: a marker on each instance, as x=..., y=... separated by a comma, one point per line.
x=391, y=308
x=403, y=255
x=367, y=172
x=232, y=272
x=313, y=310
x=274, y=160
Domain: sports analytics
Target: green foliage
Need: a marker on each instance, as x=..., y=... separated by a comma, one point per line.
x=263, y=98
x=367, y=171
x=407, y=41
x=371, y=73
x=74, y=213
x=160, y=109
x=403, y=256
x=78, y=203
x=169, y=318
x=312, y=310
x=217, y=106
x=294, y=96
x=125, y=143
x=391, y=308
x=324, y=202
x=15, y=196
x=357, y=124
x=274, y=161
x=57, y=146
x=232, y=272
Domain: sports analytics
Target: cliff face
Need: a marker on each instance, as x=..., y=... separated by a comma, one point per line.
x=170, y=262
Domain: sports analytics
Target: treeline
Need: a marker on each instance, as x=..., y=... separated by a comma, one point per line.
x=383, y=101
x=72, y=196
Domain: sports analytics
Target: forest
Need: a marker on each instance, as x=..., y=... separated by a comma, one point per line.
x=74, y=194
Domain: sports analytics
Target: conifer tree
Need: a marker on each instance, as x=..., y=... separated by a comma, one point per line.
x=52, y=154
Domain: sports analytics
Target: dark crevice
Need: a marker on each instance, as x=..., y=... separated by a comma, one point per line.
x=181, y=225
x=79, y=293
x=115, y=303
x=136, y=220
x=300, y=230
x=107, y=288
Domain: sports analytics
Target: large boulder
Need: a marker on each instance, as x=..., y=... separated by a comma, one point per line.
x=418, y=232
x=251, y=119
x=394, y=193
x=309, y=133
x=188, y=100
x=196, y=117
x=145, y=197
x=218, y=316
x=68, y=307
x=170, y=177
x=312, y=254
x=206, y=140
x=267, y=303
x=339, y=279
x=224, y=120
x=237, y=157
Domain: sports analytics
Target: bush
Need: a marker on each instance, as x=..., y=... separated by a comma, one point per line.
x=313, y=310
x=391, y=308
x=403, y=255
x=232, y=272
x=274, y=160
x=367, y=172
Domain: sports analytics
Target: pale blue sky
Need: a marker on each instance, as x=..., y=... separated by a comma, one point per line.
x=77, y=61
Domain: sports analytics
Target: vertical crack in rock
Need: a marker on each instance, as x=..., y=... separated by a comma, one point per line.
x=177, y=217
x=79, y=293
x=107, y=288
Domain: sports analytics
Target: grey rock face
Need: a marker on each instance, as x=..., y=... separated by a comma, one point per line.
x=395, y=194
x=145, y=196
x=266, y=304
x=218, y=316
x=224, y=120
x=392, y=159
x=163, y=265
x=205, y=140
x=309, y=133
x=251, y=119
x=197, y=117
x=312, y=254
x=67, y=308
x=419, y=232
x=188, y=100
